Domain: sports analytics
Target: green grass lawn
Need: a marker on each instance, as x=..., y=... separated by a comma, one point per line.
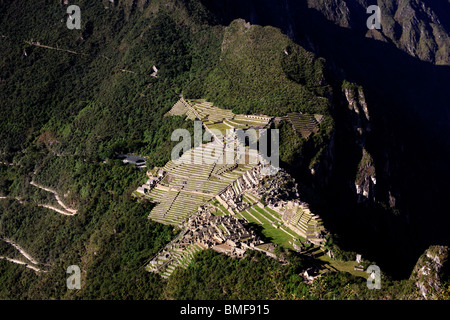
x=276, y=214
x=246, y=199
x=222, y=208
x=259, y=215
x=220, y=126
x=278, y=236
x=265, y=214
x=248, y=123
x=344, y=266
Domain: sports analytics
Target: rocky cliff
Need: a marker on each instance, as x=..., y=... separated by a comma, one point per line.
x=429, y=271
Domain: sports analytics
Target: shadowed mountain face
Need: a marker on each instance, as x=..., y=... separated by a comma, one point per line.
x=418, y=27
x=408, y=99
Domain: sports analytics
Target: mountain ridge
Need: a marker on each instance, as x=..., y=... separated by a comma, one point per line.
x=69, y=115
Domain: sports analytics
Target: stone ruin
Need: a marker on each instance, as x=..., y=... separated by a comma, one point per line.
x=310, y=274
x=224, y=234
x=151, y=182
x=231, y=197
x=230, y=235
x=280, y=194
x=278, y=188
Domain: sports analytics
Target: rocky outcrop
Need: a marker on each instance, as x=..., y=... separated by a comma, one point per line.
x=359, y=111
x=279, y=187
x=428, y=272
x=366, y=178
x=359, y=119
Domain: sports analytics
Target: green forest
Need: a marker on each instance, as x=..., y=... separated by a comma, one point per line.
x=65, y=116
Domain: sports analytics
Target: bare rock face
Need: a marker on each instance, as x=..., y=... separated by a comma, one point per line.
x=366, y=178
x=414, y=26
x=360, y=112
x=427, y=273
x=359, y=121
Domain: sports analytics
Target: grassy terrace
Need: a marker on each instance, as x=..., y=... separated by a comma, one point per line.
x=266, y=214
x=272, y=227
x=222, y=127
x=305, y=124
x=276, y=235
x=222, y=119
x=220, y=209
x=272, y=212
x=188, y=185
x=181, y=258
x=221, y=227
x=173, y=207
x=304, y=220
x=223, y=210
x=343, y=266
x=250, y=198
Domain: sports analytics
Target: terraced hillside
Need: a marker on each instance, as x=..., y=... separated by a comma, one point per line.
x=217, y=118
x=304, y=124
x=201, y=180
x=200, y=173
x=273, y=227
x=187, y=185
x=300, y=219
x=172, y=258
x=284, y=225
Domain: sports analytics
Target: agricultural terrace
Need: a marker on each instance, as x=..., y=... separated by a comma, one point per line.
x=216, y=118
x=187, y=185
x=199, y=176
x=305, y=124
x=271, y=222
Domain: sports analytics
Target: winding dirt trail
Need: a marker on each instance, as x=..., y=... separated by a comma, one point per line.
x=67, y=211
x=33, y=262
x=13, y=198
x=37, y=44
x=22, y=252
x=22, y=263
x=56, y=209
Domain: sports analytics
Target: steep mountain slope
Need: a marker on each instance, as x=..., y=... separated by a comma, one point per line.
x=417, y=27
x=407, y=99
x=72, y=98
x=253, y=75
